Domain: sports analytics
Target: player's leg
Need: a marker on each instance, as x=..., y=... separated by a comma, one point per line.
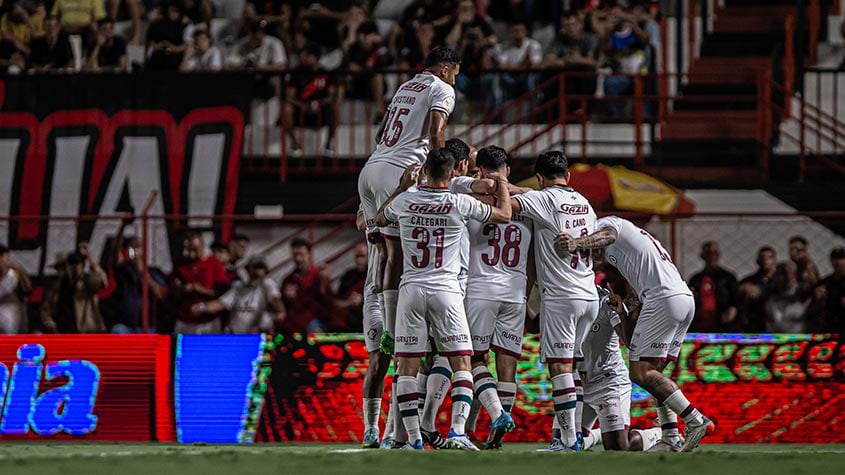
x=411, y=332
x=582, y=329
x=660, y=328
x=451, y=334
x=507, y=344
x=376, y=371
x=481, y=318
x=436, y=389
x=557, y=347
x=588, y=420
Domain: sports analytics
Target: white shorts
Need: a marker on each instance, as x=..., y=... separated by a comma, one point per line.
x=564, y=324
x=610, y=401
x=420, y=308
x=376, y=182
x=661, y=328
x=498, y=323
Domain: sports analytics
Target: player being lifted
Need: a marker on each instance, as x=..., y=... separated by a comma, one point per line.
x=666, y=313
x=414, y=121
x=568, y=299
x=431, y=223
x=495, y=302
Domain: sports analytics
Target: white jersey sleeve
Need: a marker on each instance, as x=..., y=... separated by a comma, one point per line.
x=461, y=185
x=473, y=209
x=442, y=98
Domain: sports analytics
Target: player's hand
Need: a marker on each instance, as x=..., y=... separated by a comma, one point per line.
x=615, y=303
x=409, y=178
x=565, y=244
x=84, y=250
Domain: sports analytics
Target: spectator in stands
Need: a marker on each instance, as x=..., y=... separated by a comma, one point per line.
x=258, y=51
x=349, y=297
x=127, y=301
x=413, y=55
x=199, y=277
x=201, y=55
x=468, y=21
x=576, y=51
x=120, y=10
x=306, y=292
x=51, y=51
x=321, y=20
x=831, y=292
x=755, y=289
x=109, y=52
x=715, y=292
x=199, y=12
x=14, y=287
x=349, y=26
x=519, y=54
x=625, y=48
x=312, y=96
x=79, y=16
x=277, y=14
x=247, y=302
x=21, y=25
x=473, y=38
x=785, y=309
x=12, y=60
x=365, y=59
x=167, y=39
x=806, y=272
x=220, y=250
x=437, y=13
x=71, y=305
x=238, y=250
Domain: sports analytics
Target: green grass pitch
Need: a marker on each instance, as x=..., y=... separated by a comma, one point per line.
x=516, y=459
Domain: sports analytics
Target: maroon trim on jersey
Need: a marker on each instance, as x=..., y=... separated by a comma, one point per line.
x=559, y=360
x=409, y=354
x=499, y=349
x=672, y=358
x=434, y=188
x=456, y=353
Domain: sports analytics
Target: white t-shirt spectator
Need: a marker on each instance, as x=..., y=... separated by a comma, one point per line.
x=11, y=306
x=247, y=304
x=271, y=52
x=211, y=60
x=530, y=50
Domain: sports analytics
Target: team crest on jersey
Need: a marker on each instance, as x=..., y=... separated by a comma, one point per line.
x=427, y=208
x=612, y=259
x=574, y=209
x=595, y=328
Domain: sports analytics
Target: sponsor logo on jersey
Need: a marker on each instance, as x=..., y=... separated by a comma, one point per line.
x=660, y=346
x=512, y=336
x=414, y=86
x=481, y=338
x=574, y=209
x=462, y=338
x=428, y=208
x=411, y=340
x=564, y=346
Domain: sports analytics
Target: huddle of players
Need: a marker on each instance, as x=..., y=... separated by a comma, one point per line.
x=462, y=248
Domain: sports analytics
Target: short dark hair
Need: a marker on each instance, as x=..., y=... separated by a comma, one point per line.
x=75, y=258
x=552, y=164
x=300, y=242
x=459, y=149
x=707, y=244
x=439, y=164
x=219, y=246
x=239, y=237
x=492, y=158
x=442, y=55
x=835, y=253
x=3, y=249
x=800, y=239
x=201, y=31
x=766, y=249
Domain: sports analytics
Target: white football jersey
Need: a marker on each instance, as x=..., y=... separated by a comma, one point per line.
x=405, y=139
x=554, y=209
x=642, y=260
x=498, y=260
x=432, y=223
x=601, y=346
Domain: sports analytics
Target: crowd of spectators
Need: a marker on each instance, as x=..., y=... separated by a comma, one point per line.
x=362, y=38
x=780, y=297
x=222, y=289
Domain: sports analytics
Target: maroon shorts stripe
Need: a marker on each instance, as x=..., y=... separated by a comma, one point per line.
x=627, y=427
x=686, y=411
x=462, y=383
x=479, y=376
x=479, y=352
x=406, y=397
x=499, y=349
x=559, y=360
x=410, y=354
x=456, y=353
x=673, y=359
x=562, y=392
x=669, y=426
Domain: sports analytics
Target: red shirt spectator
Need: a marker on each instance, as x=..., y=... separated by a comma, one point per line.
x=306, y=293
x=200, y=277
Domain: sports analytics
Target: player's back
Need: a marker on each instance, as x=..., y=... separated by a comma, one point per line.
x=432, y=222
x=552, y=210
x=498, y=260
x=405, y=139
x=642, y=260
x=601, y=346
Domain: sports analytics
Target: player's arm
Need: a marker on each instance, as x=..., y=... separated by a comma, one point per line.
x=487, y=186
x=360, y=221
x=627, y=317
x=501, y=210
x=408, y=179
x=566, y=244
x=437, y=129
x=213, y=306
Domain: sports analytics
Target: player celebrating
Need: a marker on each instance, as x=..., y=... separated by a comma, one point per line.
x=431, y=223
x=666, y=313
x=495, y=302
x=568, y=301
x=414, y=121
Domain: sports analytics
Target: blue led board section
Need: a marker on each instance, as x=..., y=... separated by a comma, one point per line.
x=213, y=382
